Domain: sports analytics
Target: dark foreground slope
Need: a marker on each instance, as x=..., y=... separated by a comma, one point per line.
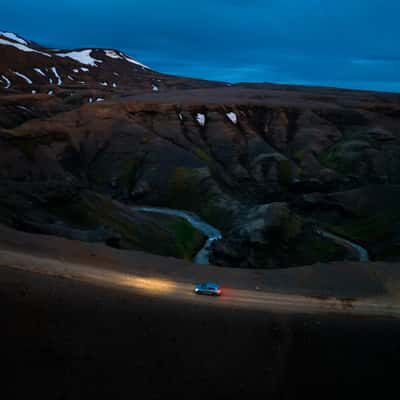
x=62, y=339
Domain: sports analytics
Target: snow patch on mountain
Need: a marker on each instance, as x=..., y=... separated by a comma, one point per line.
x=39, y=71
x=82, y=56
x=201, y=119
x=14, y=37
x=83, y=69
x=155, y=88
x=132, y=61
x=23, y=108
x=103, y=83
x=113, y=54
x=22, y=47
x=233, y=117
x=121, y=56
x=59, y=80
x=8, y=83
x=24, y=77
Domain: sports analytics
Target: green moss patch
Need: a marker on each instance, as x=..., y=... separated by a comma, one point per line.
x=182, y=190
x=371, y=228
x=377, y=232
x=285, y=173
x=200, y=153
x=345, y=155
x=129, y=175
x=318, y=249
x=305, y=250
x=162, y=235
x=189, y=241
x=186, y=193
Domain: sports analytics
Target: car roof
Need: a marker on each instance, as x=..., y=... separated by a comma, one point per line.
x=210, y=285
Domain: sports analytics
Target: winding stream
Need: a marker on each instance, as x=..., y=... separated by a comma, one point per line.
x=202, y=257
x=362, y=253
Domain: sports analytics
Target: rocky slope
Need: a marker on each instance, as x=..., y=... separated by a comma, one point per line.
x=323, y=157
x=26, y=67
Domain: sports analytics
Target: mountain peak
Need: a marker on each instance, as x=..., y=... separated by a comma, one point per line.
x=28, y=67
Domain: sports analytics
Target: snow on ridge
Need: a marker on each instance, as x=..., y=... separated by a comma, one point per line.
x=201, y=119
x=51, y=81
x=83, y=69
x=103, y=83
x=39, y=71
x=70, y=78
x=121, y=56
x=24, y=77
x=82, y=56
x=114, y=85
x=22, y=47
x=98, y=100
x=155, y=88
x=8, y=83
x=76, y=70
x=113, y=54
x=13, y=36
x=59, y=80
x=233, y=117
x=132, y=61
x=50, y=92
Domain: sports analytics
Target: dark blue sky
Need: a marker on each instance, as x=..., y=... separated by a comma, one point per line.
x=346, y=43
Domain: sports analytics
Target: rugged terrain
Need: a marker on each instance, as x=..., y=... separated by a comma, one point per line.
x=86, y=311
x=84, y=133
x=123, y=326
x=66, y=340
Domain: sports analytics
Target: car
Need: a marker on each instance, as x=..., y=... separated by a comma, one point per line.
x=209, y=288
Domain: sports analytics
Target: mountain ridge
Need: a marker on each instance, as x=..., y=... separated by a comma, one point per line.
x=80, y=69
